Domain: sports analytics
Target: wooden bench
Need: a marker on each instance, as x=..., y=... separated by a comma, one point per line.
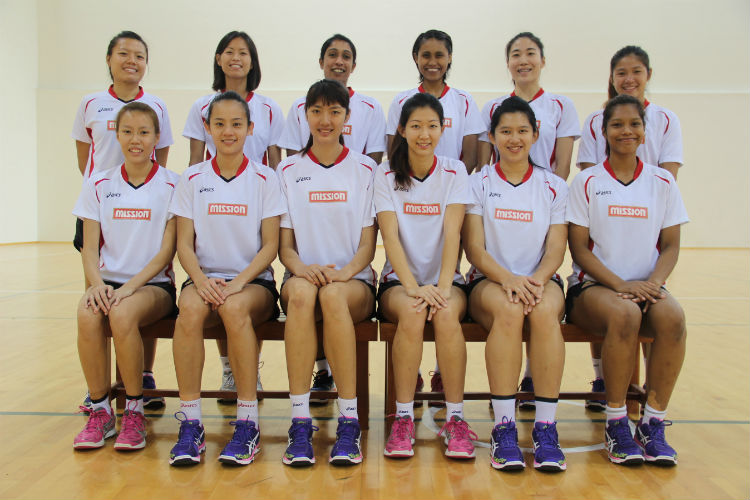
x=475, y=333
x=365, y=332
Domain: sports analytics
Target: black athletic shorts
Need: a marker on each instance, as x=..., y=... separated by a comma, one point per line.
x=168, y=287
x=269, y=285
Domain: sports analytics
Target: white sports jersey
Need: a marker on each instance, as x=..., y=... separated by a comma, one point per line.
x=95, y=124
x=461, y=118
x=516, y=218
x=328, y=206
x=132, y=220
x=420, y=211
x=363, y=133
x=663, y=138
x=227, y=214
x=624, y=220
x=556, y=116
x=268, y=124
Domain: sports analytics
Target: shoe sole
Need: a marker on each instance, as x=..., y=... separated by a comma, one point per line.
x=460, y=455
x=231, y=460
x=89, y=445
x=187, y=459
x=130, y=447
x=550, y=466
x=526, y=406
x=508, y=466
x=399, y=453
x=154, y=404
x=298, y=461
x=627, y=461
x=595, y=406
x=661, y=461
x=345, y=460
x=223, y=401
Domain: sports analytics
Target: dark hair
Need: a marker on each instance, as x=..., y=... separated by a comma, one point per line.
x=514, y=104
x=621, y=100
x=229, y=96
x=137, y=107
x=341, y=38
x=525, y=34
x=398, y=154
x=630, y=50
x=253, y=78
x=330, y=92
x=124, y=34
x=438, y=35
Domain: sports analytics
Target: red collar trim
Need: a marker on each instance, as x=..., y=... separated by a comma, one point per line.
x=242, y=168
x=247, y=98
x=526, y=176
x=151, y=173
x=432, y=169
x=645, y=103
x=539, y=93
x=340, y=158
x=638, y=169
x=351, y=92
x=111, y=91
x=445, y=90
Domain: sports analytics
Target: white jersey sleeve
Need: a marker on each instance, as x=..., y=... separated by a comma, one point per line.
x=486, y=117
x=376, y=142
x=382, y=198
x=87, y=206
x=587, y=147
x=274, y=202
x=291, y=137
x=79, y=132
x=476, y=194
x=182, y=200
x=568, y=126
x=474, y=123
x=675, y=213
x=277, y=122
x=577, y=207
x=165, y=126
x=459, y=193
x=671, y=146
x=194, y=128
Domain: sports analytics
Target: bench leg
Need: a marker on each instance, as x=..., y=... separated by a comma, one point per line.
x=390, y=383
x=118, y=389
x=634, y=407
x=363, y=385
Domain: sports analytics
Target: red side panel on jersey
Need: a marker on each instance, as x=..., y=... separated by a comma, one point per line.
x=586, y=188
x=667, y=117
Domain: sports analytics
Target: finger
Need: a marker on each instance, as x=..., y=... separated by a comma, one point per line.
x=430, y=313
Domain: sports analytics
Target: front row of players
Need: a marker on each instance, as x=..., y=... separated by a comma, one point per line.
x=229, y=218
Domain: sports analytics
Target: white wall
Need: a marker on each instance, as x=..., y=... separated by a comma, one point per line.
x=18, y=126
x=699, y=51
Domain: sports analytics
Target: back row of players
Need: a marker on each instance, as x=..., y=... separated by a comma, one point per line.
x=227, y=212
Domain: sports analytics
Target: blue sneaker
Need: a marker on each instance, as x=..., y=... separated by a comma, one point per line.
x=597, y=405
x=527, y=385
x=152, y=403
x=650, y=437
x=191, y=442
x=322, y=381
x=621, y=447
x=245, y=444
x=505, y=454
x=547, y=453
x=87, y=401
x=299, y=452
x=346, y=450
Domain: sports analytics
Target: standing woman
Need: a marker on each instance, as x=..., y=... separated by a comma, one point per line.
x=96, y=139
x=364, y=131
x=327, y=243
x=420, y=202
x=227, y=213
x=515, y=236
x=625, y=217
x=433, y=55
x=237, y=68
x=128, y=246
x=629, y=74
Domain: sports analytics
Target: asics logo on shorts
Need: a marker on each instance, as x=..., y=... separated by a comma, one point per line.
x=132, y=213
x=422, y=208
x=327, y=196
x=514, y=215
x=623, y=211
x=226, y=209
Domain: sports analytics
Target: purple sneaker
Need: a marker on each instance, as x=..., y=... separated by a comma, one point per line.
x=547, y=453
x=420, y=387
x=346, y=450
x=527, y=385
x=650, y=437
x=100, y=426
x=597, y=405
x=191, y=442
x=245, y=444
x=155, y=402
x=621, y=447
x=299, y=452
x=505, y=454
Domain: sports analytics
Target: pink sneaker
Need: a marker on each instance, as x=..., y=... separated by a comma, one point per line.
x=399, y=444
x=458, y=437
x=100, y=426
x=132, y=431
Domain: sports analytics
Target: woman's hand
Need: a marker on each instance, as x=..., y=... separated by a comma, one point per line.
x=524, y=289
x=332, y=274
x=211, y=290
x=428, y=296
x=640, y=291
x=234, y=286
x=99, y=297
x=315, y=274
x=121, y=293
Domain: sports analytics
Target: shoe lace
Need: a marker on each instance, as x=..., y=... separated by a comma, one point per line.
x=346, y=434
x=133, y=420
x=97, y=418
x=506, y=436
x=241, y=431
x=187, y=429
x=656, y=427
x=621, y=431
x=547, y=436
x=299, y=435
x=320, y=377
x=436, y=381
x=228, y=379
x=401, y=428
x=457, y=428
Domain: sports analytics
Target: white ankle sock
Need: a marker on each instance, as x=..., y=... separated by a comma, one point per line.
x=321, y=364
x=247, y=410
x=437, y=368
x=545, y=412
x=348, y=408
x=649, y=413
x=597, y=364
x=504, y=408
x=300, y=405
x=615, y=413
x=527, y=373
x=225, y=363
x=104, y=403
x=192, y=409
x=405, y=409
x=454, y=410
x=135, y=404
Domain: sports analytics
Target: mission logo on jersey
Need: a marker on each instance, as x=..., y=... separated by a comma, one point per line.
x=227, y=209
x=327, y=196
x=514, y=215
x=623, y=211
x=131, y=213
x=422, y=208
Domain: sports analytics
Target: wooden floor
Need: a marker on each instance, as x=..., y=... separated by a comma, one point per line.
x=41, y=385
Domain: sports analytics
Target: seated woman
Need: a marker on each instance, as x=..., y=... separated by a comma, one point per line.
x=515, y=237
x=327, y=243
x=227, y=212
x=128, y=246
x=420, y=202
x=624, y=237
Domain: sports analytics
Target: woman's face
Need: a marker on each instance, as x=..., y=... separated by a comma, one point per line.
x=513, y=137
x=137, y=136
x=525, y=61
x=326, y=122
x=338, y=62
x=128, y=60
x=625, y=130
x=235, y=61
x=422, y=131
x=228, y=126
x=432, y=60
x=630, y=77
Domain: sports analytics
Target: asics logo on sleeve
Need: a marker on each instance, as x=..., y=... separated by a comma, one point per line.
x=112, y=195
x=206, y=190
x=101, y=110
x=302, y=179
x=494, y=195
x=602, y=193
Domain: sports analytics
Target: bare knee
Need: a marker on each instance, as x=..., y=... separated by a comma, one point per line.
x=234, y=311
x=122, y=321
x=333, y=298
x=625, y=321
x=302, y=297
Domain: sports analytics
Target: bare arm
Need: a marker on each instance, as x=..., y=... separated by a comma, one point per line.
x=161, y=156
x=484, y=153
x=269, y=234
x=209, y=289
x=362, y=257
x=554, y=253
x=389, y=141
x=98, y=295
x=274, y=156
x=454, y=218
x=669, y=239
x=469, y=152
x=378, y=157
x=585, y=165
x=563, y=154
x=672, y=167
x=394, y=250
x=197, y=149
x=82, y=153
